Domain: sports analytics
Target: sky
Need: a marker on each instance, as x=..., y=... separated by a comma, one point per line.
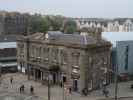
x=114, y=37
x=72, y=8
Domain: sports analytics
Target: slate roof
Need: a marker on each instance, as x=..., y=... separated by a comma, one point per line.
x=74, y=39
x=66, y=39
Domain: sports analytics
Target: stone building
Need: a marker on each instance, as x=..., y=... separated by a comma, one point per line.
x=107, y=25
x=80, y=61
x=8, y=52
x=13, y=23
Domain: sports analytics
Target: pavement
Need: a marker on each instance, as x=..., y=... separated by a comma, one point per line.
x=11, y=91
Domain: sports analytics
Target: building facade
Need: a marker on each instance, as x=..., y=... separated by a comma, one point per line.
x=125, y=57
x=13, y=23
x=76, y=60
x=107, y=25
x=8, y=52
x=122, y=52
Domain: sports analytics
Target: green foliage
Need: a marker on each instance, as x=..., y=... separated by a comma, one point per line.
x=39, y=23
x=56, y=22
x=70, y=27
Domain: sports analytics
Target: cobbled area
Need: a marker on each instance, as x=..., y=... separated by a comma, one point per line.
x=10, y=91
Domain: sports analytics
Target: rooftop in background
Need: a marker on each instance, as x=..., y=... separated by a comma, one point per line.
x=7, y=38
x=7, y=41
x=113, y=37
x=4, y=45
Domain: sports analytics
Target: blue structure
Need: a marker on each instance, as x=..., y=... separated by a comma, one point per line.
x=122, y=51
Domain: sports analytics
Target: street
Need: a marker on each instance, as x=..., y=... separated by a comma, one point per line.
x=41, y=91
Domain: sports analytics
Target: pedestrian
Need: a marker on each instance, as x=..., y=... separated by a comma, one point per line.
x=21, y=88
x=85, y=91
x=31, y=89
x=105, y=92
x=70, y=90
x=11, y=80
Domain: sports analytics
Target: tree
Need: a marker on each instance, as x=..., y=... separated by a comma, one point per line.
x=39, y=23
x=56, y=22
x=70, y=27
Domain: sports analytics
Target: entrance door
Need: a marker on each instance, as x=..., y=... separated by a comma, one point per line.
x=75, y=85
x=39, y=74
x=64, y=79
x=54, y=78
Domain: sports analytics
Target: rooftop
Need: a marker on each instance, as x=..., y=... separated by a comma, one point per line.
x=8, y=45
x=66, y=39
x=7, y=38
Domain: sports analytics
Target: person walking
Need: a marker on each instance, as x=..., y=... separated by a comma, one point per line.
x=70, y=90
x=21, y=89
x=31, y=89
x=11, y=80
x=105, y=92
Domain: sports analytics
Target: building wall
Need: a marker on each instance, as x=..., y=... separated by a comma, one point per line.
x=13, y=23
x=125, y=58
x=82, y=67
x=8, y=52
x=126, y=25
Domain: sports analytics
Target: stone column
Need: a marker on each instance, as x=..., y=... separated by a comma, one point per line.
x=26, y=57
x=29, y=73
x=84, y=66
x=34, y=74
x=69, y=66
x=41, y=76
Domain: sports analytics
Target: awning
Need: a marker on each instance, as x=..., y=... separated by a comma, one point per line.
x=8, y=64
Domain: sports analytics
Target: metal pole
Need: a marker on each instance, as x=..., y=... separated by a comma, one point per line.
x=48, y=87
x=0, y=70
x=62, y=88
x=116, y=82
x=0, y=74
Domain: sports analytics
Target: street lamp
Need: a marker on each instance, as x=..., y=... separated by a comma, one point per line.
x=0, y=69
x=116, y=82
x=63, y=95
x=116, y=78
x=48, y=80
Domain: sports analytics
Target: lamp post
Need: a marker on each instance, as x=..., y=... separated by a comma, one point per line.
x=48, y=79
x=116, y=78
x=0, y=69
x=116, y=82
x=63, y=95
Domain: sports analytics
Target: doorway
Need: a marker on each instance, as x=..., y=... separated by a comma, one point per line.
x=75, y=85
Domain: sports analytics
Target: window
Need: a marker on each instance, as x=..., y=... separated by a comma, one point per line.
x=75, y=57
x=31, y=53
x=46, y=53
x=55, y=54
x=64, y=57
x=126, y=57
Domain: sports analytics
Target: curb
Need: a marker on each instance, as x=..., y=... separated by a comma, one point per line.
x=117, y=97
